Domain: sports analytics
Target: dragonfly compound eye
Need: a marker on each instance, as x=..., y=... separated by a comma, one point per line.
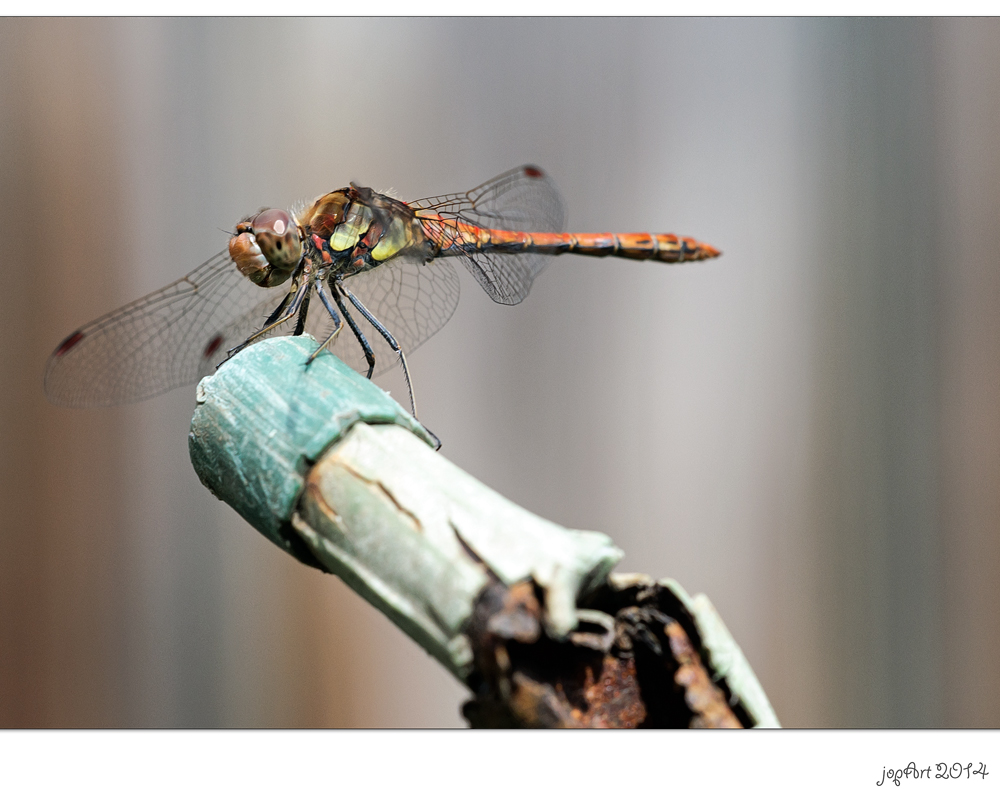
x=278, y=238
x=252, y=264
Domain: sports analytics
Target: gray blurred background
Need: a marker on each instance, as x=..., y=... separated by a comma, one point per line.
x=806, y=429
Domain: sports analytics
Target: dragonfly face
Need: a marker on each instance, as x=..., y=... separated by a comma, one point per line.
x=267, y=247
x=355, y=251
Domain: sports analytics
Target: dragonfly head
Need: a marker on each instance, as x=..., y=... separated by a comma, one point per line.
x=267, y=247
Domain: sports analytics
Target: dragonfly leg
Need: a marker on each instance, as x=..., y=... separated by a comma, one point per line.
x=270, y=324
x=365, y=345
x=337, y=325
x=277, y=311
x=388, y=339
x=300, y=325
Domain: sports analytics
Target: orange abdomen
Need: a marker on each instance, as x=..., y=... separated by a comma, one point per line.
x=457, y=238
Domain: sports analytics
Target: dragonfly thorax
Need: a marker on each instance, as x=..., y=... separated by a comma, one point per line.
x=267, y=247
x=325, y=213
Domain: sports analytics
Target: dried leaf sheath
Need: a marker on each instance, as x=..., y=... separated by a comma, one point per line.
x=523, y=611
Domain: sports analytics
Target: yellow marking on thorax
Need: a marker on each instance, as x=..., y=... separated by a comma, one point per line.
x=352, y=228
x=395, y=238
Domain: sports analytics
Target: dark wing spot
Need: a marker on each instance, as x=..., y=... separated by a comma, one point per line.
x=533, y=172
x=212, y=347
x=68, y=343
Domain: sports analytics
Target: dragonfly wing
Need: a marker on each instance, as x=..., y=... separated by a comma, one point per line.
x=410, y=298
x=522, y=199
x=171, y=337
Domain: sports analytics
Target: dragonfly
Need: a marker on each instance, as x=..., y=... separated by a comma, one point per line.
x=360, y=254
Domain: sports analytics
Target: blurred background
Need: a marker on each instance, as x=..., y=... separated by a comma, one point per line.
x=806, y=429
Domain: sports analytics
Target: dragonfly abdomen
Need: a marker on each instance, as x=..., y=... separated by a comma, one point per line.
x=665, y=247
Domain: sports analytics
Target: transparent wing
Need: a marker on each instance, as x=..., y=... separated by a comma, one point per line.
x=411, y=298
x=171, y=337
x=180, y=333
x=522, y=199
